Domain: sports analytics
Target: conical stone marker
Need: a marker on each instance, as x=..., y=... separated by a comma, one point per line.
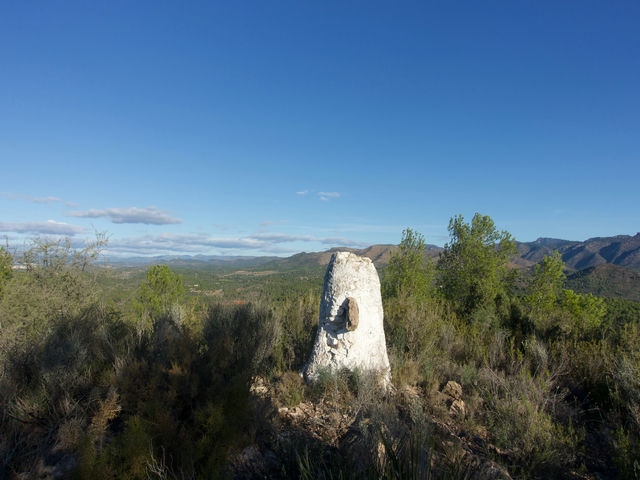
x=350, y=326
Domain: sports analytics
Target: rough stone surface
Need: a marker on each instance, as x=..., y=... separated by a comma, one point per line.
x=352, y=314
x=453, y=390
x=457, y=407
x=350, y=328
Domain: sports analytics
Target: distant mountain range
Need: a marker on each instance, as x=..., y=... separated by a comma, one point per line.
x=621, y=250
x=607, y=266
x=186, y=260
x=604, y=266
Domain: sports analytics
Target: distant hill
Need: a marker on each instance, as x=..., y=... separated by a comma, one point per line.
x=189, y=260
x=605, y=266
x=379, y=254
x=621, y=250
x=606, y=280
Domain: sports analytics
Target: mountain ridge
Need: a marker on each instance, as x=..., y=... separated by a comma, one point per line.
x=607, y=266
x=620, y=250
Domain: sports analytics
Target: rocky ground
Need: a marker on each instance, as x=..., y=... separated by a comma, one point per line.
x=355, y=432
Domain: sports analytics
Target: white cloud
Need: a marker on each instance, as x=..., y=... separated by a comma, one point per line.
x=147, y=215
x=273, y=238
x=48, y=199
x=326, y=196
x=204, y=244
x=175, y=243
x=49, y=227
x=41, y=200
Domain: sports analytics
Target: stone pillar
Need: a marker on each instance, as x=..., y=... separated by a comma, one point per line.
x=350, y=328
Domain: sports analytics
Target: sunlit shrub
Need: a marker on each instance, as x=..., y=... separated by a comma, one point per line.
x=520, y=411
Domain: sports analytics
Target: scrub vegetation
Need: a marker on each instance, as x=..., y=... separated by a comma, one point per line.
x=171, y=373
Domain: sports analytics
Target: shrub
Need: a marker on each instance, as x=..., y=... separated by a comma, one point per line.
x=290, y=389
x=297, y=321
x=520, y=411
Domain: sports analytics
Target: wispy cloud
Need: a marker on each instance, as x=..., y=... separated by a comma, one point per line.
x=273, y=238
x=49, y=199
x=50, y=227
x=41, y=200
x=147, y=215
x=326, y=196
x=203, y=244
x=175, y=243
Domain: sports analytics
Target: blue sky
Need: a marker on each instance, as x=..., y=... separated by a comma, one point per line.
x=274, y=127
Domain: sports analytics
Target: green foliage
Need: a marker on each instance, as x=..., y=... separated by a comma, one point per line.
x=473, y=268
x=413, y=312
x=585, y=312
x=54, y=284
x=160, y=291
x=297, y=318
x=185, y=395
x=617, y=318
x=625, y=399
x=182, y=400
x=243, y=336
x=554, y=309
x=290, y=389
x=54, y=387
x=416, y=336
x=520, y=412
x=408, y=273
x=6, y=267
x=546, y=285
x=607, y=280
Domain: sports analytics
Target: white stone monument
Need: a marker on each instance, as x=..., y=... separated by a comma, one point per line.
x=350, y=328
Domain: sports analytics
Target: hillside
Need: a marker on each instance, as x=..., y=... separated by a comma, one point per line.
x=621, y=250
x=606, y=266
x=379, y=254
x=607, y=280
